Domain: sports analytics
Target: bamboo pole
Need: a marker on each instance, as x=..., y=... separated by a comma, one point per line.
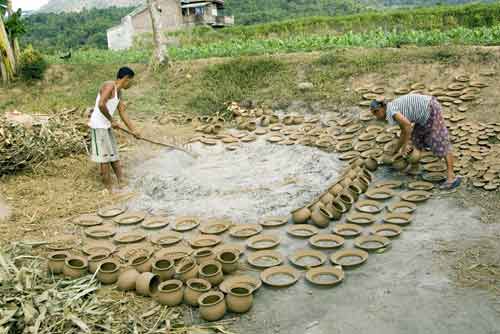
x=6, y=53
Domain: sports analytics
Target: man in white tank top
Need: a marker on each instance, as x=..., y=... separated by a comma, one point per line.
x=104, y=149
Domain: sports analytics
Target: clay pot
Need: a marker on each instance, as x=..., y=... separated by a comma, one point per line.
x=147, y=284
x=300, y=216
x=141, y=263
x=195, y=287
x=274, y=119
x=229, y=261
x=288, y=120
x=251, y=126
x=212, y=306
x=265, y=121
x=346, y=199
x=55, y=262
x=170, y=293
x=358, y=162
x=95, y=260
x=316, y=205
x=203, y=255
x=327, y=198
x=399, y=163
x=164, y=268
x=212, y=272
x=362, y=183
x=239, y=299
x=366, y=174
x=186, y=269
x=336, y=208
x=321, y=217
x=108, y=272
x=127, y=279
x=75, y=266
x=336, y=189
x=414, y=156
x=355, y=191
x=371, y=164
x=297, y=120
x=387, y=159
x=346, y=181
x=352, y=173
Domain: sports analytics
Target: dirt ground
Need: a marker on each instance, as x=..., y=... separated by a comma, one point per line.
x=442, y=275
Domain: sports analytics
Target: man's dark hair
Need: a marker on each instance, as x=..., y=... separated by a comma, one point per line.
x=125, y=72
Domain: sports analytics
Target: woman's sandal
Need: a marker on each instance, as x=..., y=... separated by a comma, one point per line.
x=451, y=185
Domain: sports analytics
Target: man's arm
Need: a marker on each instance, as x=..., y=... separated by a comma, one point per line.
x=404, y=139
x=106, y=92
x=124, y=116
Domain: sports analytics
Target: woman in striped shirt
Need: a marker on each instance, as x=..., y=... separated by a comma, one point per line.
x=420, y=119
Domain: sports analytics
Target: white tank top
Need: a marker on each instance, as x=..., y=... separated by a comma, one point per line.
x=98, y=120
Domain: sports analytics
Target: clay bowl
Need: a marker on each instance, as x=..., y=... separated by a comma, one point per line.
x=229, y=260
x=212, y=306
x=434, y=167
x=100, y=232
x=349, y=258
x=346, y=199
x=325, y=276
x=347, y=230
x=56, y=261
x=281, y=276
x=265, y=259
x=183, y=224
x=170, y=293
x=88, y=220
x=141, y=263
x=415, y=196
x=75, y=266
x=305, y=258
x=435, y=177
x=153, y=223
x=239, y=298
x=186, y=269
x=423, y=186
x=129, y=237
x=321, y=217
x=402, y=207
x=203, y=255
x=245, y=230
x=398, y=218
x=95, y=260
x=301, y=215
x=302, y=230
x=167, y=238
x=233, y=248
x=326, y=241
x=108, y=272
x=195, y=287
x=260, y=242
x=215, y=226
x=274, y=221
x=386, y=230
x=212, y=272
x=127, y=279
x=111, y=212
x=361, y=218
x=203, y=241
x=379, y=193
x=371, y=242
x=369, y=206
x=165, y=268
x=253, y=283
x=130, y=218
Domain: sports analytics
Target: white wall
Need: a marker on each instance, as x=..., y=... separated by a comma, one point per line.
x=121, y=37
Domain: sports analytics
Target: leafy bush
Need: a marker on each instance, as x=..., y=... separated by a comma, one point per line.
x=33, y=64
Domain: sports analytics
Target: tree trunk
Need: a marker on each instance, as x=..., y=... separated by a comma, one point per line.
x=15, y=42
x=6, y=54
x=160, y=55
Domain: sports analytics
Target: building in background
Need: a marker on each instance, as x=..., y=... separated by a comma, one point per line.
x=175, y=15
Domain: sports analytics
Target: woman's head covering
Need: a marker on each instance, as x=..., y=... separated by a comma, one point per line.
x=378, y=103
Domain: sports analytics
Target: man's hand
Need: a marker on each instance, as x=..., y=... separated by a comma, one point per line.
x=137, y=135
x=115, y=125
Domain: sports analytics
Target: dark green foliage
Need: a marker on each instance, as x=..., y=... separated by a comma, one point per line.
x=33, y=65
x=59, y=32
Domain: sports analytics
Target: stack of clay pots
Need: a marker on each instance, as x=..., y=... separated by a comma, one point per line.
x=337, y=200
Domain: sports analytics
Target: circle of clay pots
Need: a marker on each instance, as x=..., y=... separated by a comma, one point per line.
x=371, y=164
x=265, y=259
x=321, y=217
x=127, y=279
x=326, y=241
x=386, y=230
x=141, y=263
x=346, y=199
x=95, y=260
x=195, y=287
x=301, y=215
x=260, y=242
x=306, y=258
x=212, y=305
x=108, y=272
x=415, y=196
x=55, y=262
x=186, y=269
x=146, y=284
x=229, y=260
x=302, y=230
x=212, y=272
x=347, y=230
x=164, y=268
x=281, y=276
x=203, y=255
x=170, y=293
x=349, y=258
x=325, y=276
x=239, y=298
x=371, y=242
x=75, y=266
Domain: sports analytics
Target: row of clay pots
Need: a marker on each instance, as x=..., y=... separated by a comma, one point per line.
x=339, y=198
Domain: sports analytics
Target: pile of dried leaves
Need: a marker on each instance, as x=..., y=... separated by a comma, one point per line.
x=28, y=141
x=32, y=301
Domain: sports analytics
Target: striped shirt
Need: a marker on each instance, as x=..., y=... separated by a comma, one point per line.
x=416, y=108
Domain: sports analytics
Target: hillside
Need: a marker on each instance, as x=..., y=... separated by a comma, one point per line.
x=55, y=6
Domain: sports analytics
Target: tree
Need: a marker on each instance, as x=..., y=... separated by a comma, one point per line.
x=7, y=57
x=160, y=54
